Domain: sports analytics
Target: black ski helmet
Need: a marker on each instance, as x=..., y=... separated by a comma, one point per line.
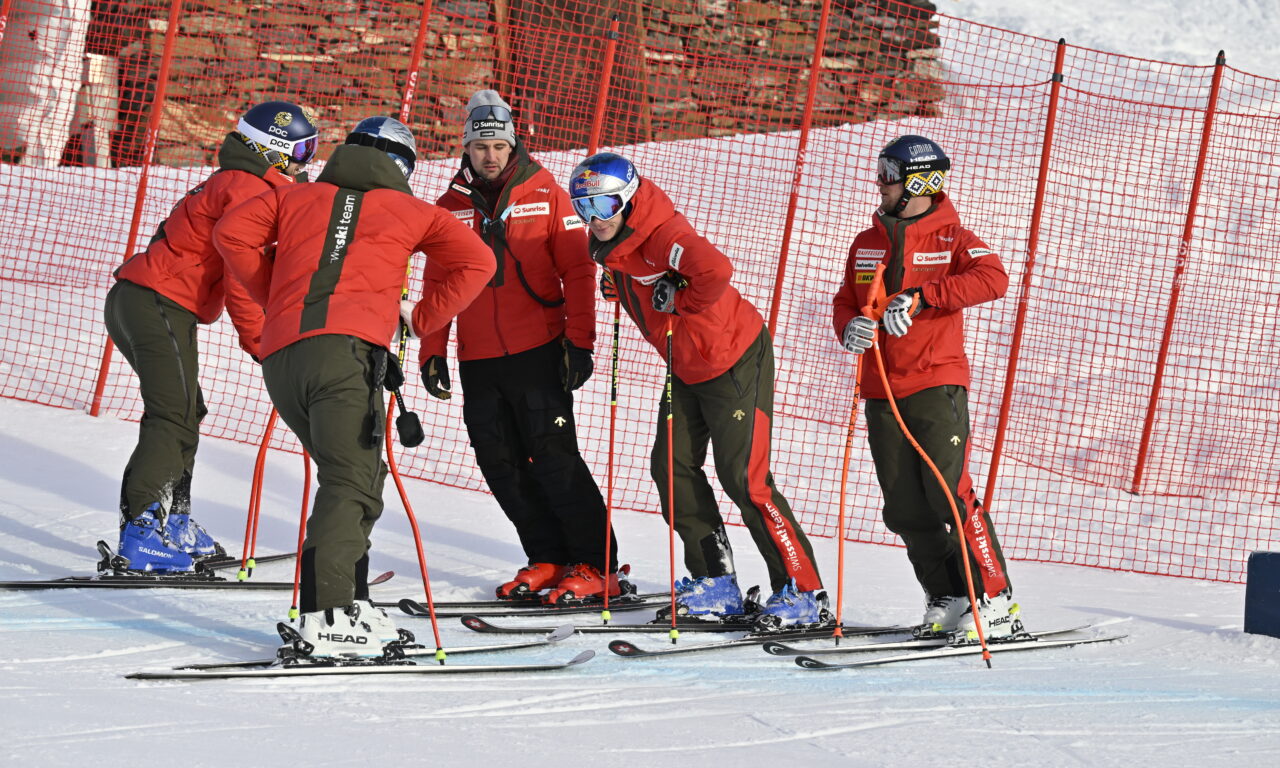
x=919, y=164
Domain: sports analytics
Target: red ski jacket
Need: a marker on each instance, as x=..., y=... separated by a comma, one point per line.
x=953, y=268
x=343, y=245
x=181, y=263
x=543, y=288
x=713, y=324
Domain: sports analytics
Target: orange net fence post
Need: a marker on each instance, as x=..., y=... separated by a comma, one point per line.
x=762, y=120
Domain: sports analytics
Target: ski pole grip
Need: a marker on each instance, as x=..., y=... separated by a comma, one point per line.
x=876, y=299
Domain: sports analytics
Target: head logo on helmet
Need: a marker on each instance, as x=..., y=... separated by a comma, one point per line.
x=917, y=163
x=280, y=131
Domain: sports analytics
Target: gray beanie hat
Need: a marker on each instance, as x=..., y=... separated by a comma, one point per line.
x=488, y=117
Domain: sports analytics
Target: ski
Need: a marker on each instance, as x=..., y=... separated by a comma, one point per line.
x=148, y=581
x=629, y=650
x=411, y=652
x=782, y=649
x=478, y=624
x=446, y=610
x=533, y=603
x=1030, y=644
x=356, y=668
x=220, y=562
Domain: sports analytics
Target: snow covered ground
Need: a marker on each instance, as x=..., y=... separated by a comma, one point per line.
x=1178, y=31
x=1187, y=688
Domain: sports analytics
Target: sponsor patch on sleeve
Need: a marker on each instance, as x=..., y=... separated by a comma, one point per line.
x=459, y=188
x=935, y=257
x=864, y=277
x=573, y=222
x=530, y=209
x=673, y=258
x=977, y=253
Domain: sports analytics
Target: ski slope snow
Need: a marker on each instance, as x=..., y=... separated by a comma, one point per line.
x=1187, y=688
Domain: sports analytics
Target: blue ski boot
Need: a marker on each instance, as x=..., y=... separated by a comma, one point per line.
x=710, y=596
x=146, y=547
x=789, y=608
x=188, y=536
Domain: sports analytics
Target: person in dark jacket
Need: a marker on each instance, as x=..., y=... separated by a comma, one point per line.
x=524, y=346
x=676, y=286
x=160, y=295
x=934, y=270
x=332, y=299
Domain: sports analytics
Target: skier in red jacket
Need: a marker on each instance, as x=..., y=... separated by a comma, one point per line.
x=151, y=313
x=332, y=300
x=524, y=346
x=935, y=268
x=667, y=276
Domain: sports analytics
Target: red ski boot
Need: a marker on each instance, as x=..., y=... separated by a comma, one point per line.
x=582, y=584
x=530, y=580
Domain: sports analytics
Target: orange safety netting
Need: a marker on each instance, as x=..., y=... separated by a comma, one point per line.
x=1139, y=422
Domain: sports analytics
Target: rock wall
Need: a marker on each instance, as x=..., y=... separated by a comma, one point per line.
x=686, y=68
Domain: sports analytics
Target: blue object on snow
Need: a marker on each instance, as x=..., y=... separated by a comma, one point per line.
x=145, y=546
x=1262, y=594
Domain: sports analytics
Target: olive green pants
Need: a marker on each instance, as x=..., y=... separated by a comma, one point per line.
x=324, y=388
x=916, y=506
x=734, y=412
x=158, y=338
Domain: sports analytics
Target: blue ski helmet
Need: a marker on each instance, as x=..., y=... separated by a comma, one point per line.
x=390, y=136
x=602, y=186
x=917, y=163
x=280, y=131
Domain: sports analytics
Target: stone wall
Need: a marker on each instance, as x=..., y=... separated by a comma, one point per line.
x=687, y=68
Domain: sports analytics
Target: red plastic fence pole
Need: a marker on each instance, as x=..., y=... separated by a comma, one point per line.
x=415, y=62
x=148, y=154
x=806, y=122
x=1024, y=297
x=606, y=73
x=1179, y=268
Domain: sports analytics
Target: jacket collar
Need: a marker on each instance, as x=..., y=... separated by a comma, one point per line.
x=362, y=169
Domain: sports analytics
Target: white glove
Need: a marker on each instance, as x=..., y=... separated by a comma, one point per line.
x=859, y=334
x=903, y=307
x=406, y=316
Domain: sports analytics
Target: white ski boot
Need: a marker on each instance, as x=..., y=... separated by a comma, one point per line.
x=345, y=634
x=1000, y=618
x=941, y=616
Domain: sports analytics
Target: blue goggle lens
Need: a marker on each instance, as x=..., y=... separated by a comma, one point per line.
x=602, y=207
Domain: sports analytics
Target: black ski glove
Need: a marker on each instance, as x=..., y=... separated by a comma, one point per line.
x=575, y=367
x=664, y=292
x=435, y=375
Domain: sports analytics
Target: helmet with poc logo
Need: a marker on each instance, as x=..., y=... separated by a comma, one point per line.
x=917, y=163
x=281, y=132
